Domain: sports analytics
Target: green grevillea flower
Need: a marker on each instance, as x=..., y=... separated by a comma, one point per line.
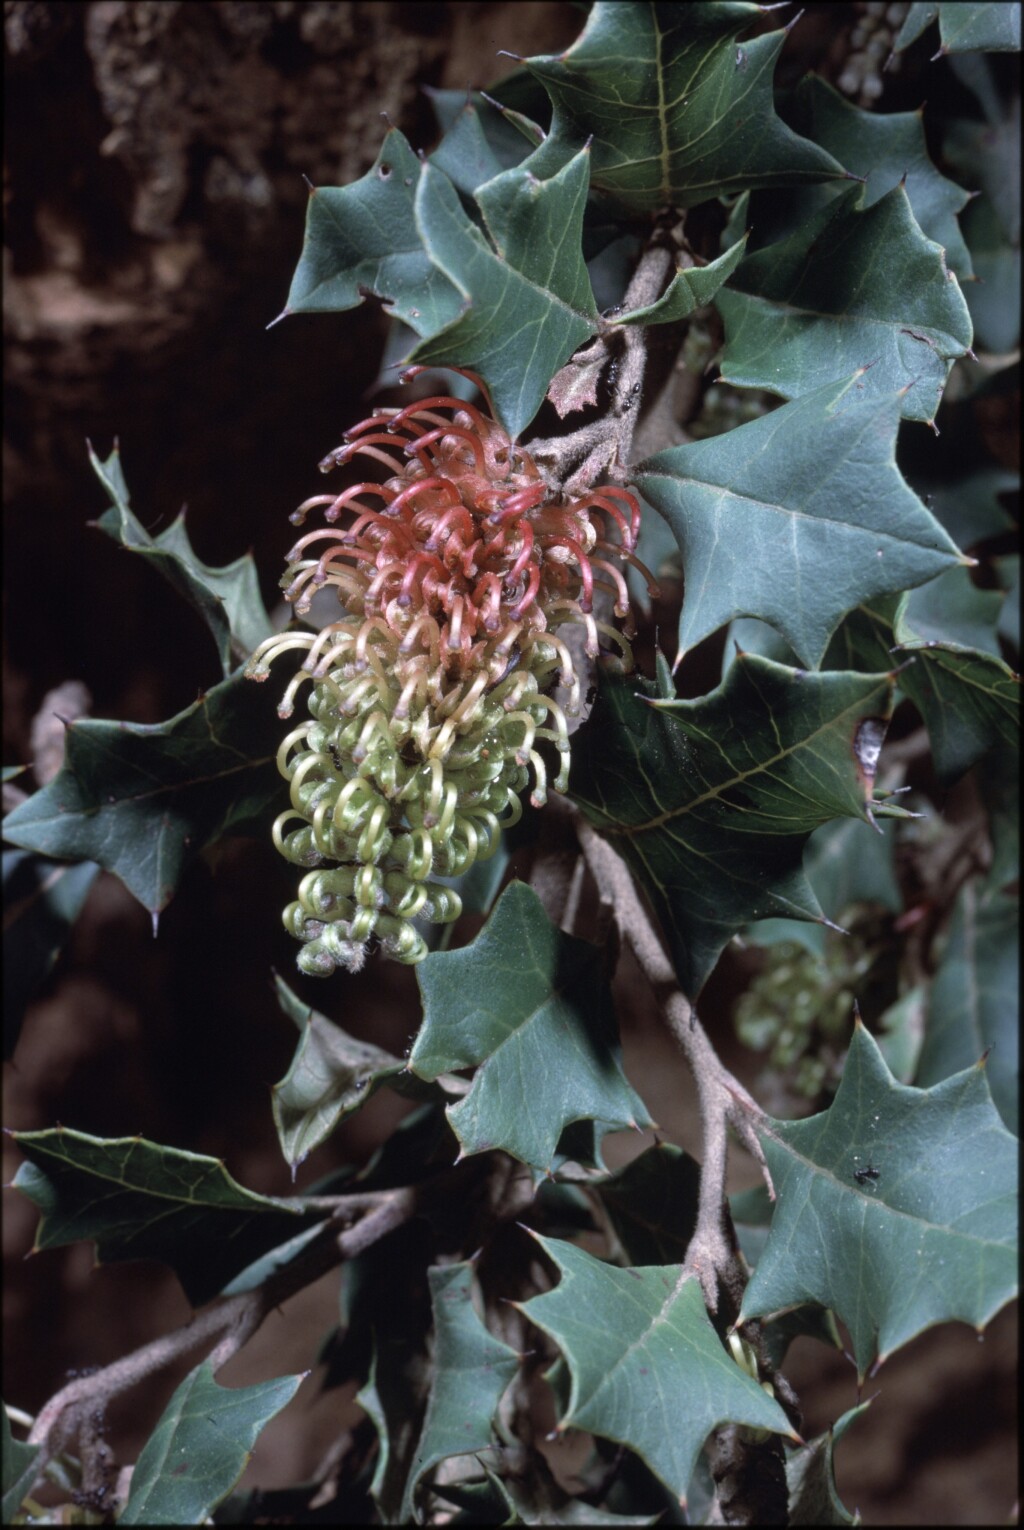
x=428, y=697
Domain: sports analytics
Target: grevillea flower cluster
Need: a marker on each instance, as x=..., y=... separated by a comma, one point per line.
x=428, y=696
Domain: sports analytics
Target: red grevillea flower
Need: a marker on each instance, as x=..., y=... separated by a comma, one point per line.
x=427, y=696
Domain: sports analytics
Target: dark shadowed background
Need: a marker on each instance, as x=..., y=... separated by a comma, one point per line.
x=155, y=203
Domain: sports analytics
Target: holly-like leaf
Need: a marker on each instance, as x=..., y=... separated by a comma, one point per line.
x=795, y=517
x=712, y=801
x=975, y=1001
x=144, y=800
x=900, y=1031
x=966, y=693
x=896, y=1207
x=652, y=1205
x=228, y=599
x=466, y=153
x=138, y=1200
x=509, y=135
x=471, y=1370
x=363, y=239
x=42, y=900
x=331, y=1075
x=963, y=28
x=994, y=299
x=884, y=148
x=677, y=112
x=969, y=507
x=19, y=1469
x=691, y=287
x=395, y=1394
x=531, y=1009
x=986, y=157
x=201, y=1447
x=646, y=1367
x=526, y=301
x=847, y=862
x=853, y=286
x=811, y=1478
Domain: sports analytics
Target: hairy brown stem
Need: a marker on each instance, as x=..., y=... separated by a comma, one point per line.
x=579, y=459
x=227, y=1324
x=711, y=1257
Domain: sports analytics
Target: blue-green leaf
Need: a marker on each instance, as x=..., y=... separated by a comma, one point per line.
x=896, y=1207
x=139, y=1200
x=531, y=1010
x=19, y=1469
x=964, y=28
x=144, y=800
x=364, y=238
x=526, y=301
x=645, y=1365
x=711, y=801
x=974, y=1005
x=853, y=286
x=795, y=518
x=677, y=111
x=471, y=1371
x=201, y=1447
x=228, y=599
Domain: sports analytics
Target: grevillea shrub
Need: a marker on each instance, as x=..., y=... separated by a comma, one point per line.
x=665, y=598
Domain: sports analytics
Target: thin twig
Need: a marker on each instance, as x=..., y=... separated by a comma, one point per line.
x=603, y=446
x=226, y=1324
x=723, y=1100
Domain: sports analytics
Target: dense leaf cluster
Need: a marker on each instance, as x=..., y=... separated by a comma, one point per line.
x=861, y=570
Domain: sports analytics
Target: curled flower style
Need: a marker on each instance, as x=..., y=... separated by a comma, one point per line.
x=428, y=697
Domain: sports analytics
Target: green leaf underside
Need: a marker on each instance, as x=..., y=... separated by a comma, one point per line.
x=677, y=112
x=969, y=506
x=884, y=148
x=364, y=239
x=465, y=155
x=974, y=1004
x=144, y=800
x=652, y=1205
x=394, y=1399
x=201, y=1447
x=645, y=1364
x=19, y=1470
x=795, y=517
x=811, y=1479
x=994, y=299
x=228, y=599
x=138, y=1200
x=711, y=801
x=689, y=289
x=929, y=1240
x=526, y=297
x=852, y=287
x=471, y=1371
x=531, y=1009
x=42, y=900
x=964, y=28
x=330, y=1076
x=968, y=696
x=507, y=136
x=848, y=862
